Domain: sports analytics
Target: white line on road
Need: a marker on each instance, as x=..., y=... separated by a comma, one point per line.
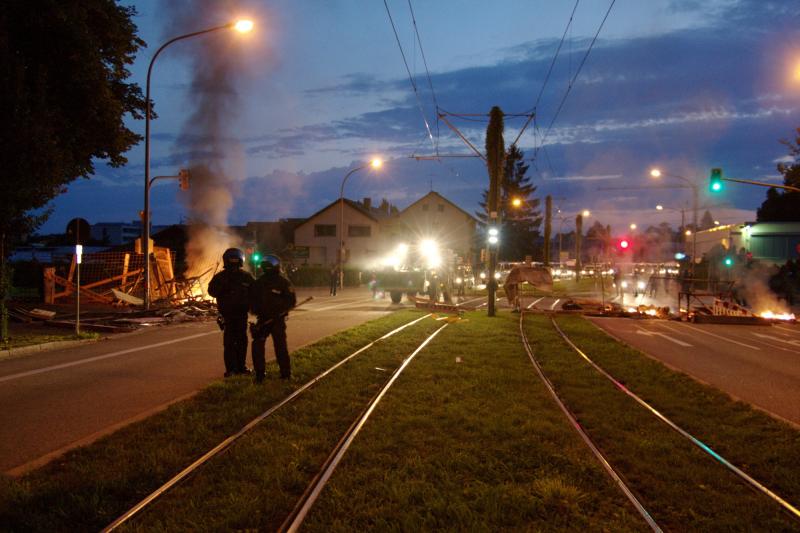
x=776, y=339
x=536, y=302
x=340, y=305
x=100, y=357
x=640, y=331
x=553, y=307
x=713, y=335
x=785, y=328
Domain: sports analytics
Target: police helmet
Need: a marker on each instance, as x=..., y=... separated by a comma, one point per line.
x=233, y=258
x=270, y=263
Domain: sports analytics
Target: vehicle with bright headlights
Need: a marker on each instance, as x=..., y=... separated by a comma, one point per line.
x=410, y=269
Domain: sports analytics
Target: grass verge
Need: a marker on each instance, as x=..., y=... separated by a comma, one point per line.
x=680, y=485
x=30, y=339
x=89, y=487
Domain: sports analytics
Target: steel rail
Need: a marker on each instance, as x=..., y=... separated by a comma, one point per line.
x=293, y=523
x=219, y=448
x=791, y=509
x=586, y=439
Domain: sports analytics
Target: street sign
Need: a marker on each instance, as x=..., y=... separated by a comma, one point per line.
x=301, y=252
x=78, y=230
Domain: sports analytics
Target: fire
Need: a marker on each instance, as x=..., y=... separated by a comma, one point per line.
x=776, y=316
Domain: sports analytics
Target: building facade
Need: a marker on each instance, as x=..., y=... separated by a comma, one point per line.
x=769, y=242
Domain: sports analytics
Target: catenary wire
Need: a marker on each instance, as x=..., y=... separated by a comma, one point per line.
x=575, y=77
x=410, y=76
x=427, y=73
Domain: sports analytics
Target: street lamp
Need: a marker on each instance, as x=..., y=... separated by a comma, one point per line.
x=375, y=163
x=242, y=26
x=633, y=226
x=656, y=173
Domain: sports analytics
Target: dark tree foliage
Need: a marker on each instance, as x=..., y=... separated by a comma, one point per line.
x=63, y=98
x=520, y=225
x=707, y=222
x=783, y=205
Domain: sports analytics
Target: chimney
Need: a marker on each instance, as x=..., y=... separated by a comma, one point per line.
x=367, y=203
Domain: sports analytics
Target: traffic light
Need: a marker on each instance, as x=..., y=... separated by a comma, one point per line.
x=183, y=179
x=715, y=180
x=728, y=261
x=255, y=258
x=623, y=244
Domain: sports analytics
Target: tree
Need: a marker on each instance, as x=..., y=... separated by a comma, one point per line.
x=520, y=224
x=707, y=221
x=598, y=238
x=784, y=206
x=63, y=99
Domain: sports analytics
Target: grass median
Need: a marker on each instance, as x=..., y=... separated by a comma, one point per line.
x=681, y=486
x=89, y=487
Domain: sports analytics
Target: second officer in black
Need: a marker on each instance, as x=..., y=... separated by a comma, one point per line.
x=271, y=298
x=231, y=288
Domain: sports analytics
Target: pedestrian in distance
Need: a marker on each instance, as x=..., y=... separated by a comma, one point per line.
x=271, y=299
x=334, y=279
x=231, y=288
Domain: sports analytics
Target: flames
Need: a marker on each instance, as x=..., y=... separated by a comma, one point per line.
x=771, y=315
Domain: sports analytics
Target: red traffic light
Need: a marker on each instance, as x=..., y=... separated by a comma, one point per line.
x=624, y=244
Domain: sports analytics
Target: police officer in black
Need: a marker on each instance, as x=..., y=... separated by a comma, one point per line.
x=231, y=288
x=271, y=298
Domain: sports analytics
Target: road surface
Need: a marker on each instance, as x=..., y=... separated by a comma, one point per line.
x=757, y=364
x=53, y=401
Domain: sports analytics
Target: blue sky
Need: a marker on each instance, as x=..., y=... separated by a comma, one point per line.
x=320, y=86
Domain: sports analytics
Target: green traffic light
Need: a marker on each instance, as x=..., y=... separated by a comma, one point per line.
x=256, y=257
x=716, y=179
x=728, y=261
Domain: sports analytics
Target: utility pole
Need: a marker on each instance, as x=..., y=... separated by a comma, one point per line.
x=495, y=155
x=578, y=236
x=548, y=216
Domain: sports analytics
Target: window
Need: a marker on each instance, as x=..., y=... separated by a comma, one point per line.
x=440, y=208
x=324, y=230
x=424, y=207
x=359, y=231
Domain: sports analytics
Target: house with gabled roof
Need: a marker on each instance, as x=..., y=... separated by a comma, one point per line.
x=321, y=233
x=435, y=217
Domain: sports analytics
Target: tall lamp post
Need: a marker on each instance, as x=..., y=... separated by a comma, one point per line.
x=242, y=26
x=656, y=173
x=376, y=163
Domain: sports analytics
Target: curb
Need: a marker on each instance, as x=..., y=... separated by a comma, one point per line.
x=46, y=346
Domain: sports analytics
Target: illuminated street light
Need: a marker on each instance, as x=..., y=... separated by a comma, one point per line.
x=586, y=213
x=688, y=232
x=375, y=163
x=633, y=226
x=516, y=202
x=657, y=173
x=660, y=207
x=242, y=26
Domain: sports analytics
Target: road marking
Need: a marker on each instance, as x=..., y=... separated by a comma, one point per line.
x=101, y=357
x=536, y=302
x=777, y=339
x=553, y=307
x=640, y=331
x=784, y=328
x=714, y=335
x=340, y=305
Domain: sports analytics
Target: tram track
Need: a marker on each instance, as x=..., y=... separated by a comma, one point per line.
x=746, y=479
x=230, y=440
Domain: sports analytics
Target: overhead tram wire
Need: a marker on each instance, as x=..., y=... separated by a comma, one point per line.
x=410, y=76
x=427, y=73
x=549, y=72
x=575, y=77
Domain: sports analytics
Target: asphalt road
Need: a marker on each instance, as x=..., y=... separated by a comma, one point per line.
x=53, y=401
x=757, y=364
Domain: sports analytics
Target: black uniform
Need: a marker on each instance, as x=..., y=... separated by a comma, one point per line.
x=231, y=288
x=271, y=298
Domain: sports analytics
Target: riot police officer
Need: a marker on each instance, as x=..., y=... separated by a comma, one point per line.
x=271, y=298
x=231, y=288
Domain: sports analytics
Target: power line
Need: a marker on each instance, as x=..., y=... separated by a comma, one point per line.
x=575, y=77
x=410, y=76
x=427, y=72
x=555, y=56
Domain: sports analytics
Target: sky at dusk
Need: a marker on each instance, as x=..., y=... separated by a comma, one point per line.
x=319, y=87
